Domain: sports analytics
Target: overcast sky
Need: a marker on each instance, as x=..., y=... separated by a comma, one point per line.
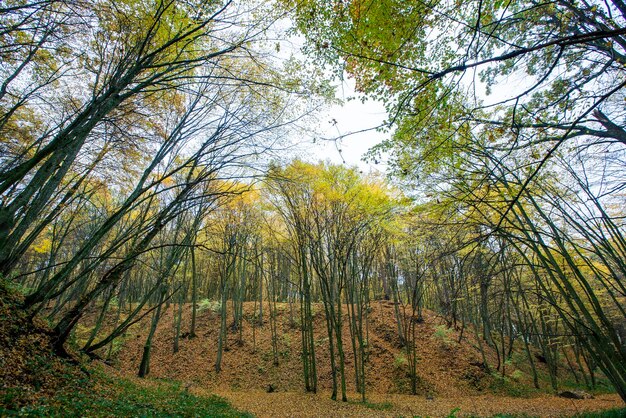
x=339, y=120
x=343, y=121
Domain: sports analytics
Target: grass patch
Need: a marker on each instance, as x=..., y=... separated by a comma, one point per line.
x=103, y=395
x=377, y=406
x=443, y=334
x=609, y=413
x=505, y=386
x=603, y=386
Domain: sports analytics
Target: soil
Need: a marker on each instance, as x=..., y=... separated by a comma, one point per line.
x=451, y=373
x=294, y=404
x=445, y=367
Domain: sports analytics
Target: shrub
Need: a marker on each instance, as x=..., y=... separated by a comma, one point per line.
x=443, y=334
x=208, y=304
x=400, y=361
x=517, y=375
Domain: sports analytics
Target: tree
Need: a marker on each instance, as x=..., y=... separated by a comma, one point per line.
x=434, y=65
x=336, y=219
x=565, y=233
x=555, y=73
x=147, y=104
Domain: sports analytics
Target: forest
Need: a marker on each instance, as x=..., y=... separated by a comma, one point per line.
x=166, y=234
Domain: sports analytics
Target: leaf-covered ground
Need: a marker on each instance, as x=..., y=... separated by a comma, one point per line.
x=292, y=404
x=450, y=375
x=105, y=395
x=446, y=367
x=36, y=382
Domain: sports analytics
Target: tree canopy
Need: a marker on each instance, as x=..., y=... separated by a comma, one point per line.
x=143, y=165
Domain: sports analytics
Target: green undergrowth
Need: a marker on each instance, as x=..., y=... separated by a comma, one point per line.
x=377, y=406
x=603, y=386
x=610, y=413
x=104, y=395
x=506, y=386
x=509, y=386
x=35, y=382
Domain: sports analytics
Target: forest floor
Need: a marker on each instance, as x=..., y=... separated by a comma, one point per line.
x=452, y=378
x=35, y=382
x=298, y=404
x=445, y=366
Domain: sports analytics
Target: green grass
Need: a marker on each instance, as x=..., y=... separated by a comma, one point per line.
x=507, y=387
x=609, y=413
x=103, y=395
x=377, y=406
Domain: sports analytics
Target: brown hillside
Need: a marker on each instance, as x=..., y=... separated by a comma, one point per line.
x=445, y=367
x=29, y=368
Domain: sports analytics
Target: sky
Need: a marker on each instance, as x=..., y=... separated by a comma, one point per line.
x=344, y=121
x=338, y=120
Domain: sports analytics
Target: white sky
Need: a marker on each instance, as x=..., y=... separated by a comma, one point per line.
x=339, y=120
x=342, y=121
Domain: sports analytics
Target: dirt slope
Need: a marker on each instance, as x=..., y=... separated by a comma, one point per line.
x=446, y=368
x=294, y=404
x=29, y=369
x=452, y=378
